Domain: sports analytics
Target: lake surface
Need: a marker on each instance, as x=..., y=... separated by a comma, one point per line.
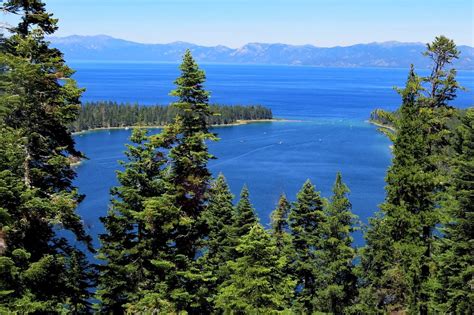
x=331, y=135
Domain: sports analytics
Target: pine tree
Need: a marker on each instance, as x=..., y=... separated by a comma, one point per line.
x=337, y=254
x=125, y=246
x=455, y=254
x=280, y=231
x=245, y=216
x=219, y=215
x=279, y=223
x=440, y=87
x=37, y=199
x=417, y=181
x=156, y=228
x=81, y=277
x=220, y=244
x=257, y=284
x=158, y=220
x=190, y=178
x=190, y=155
x=442, y=84
x=306, y=218
x=394, y=260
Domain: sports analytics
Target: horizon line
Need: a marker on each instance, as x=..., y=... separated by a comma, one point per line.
x=249, y=43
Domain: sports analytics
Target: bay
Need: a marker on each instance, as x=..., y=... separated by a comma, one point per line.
x=330, y=107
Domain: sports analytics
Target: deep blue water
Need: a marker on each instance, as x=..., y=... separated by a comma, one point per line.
x=271, y=158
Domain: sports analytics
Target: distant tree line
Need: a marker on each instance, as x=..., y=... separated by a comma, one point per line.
x=112, y=114
x=175, y=243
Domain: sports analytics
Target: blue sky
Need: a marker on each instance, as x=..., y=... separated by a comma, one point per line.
x=237, y=22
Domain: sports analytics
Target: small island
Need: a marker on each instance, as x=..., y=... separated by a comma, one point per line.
x=113, y=115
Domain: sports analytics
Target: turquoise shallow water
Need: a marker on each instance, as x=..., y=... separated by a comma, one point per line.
x=331, y=134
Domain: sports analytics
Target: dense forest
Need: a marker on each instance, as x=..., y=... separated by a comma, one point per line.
x=174, y=241
x=111, y=114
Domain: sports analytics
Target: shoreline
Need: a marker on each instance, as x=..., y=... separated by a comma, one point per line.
x=236, y=123
x=78, y=162
x=380, y=125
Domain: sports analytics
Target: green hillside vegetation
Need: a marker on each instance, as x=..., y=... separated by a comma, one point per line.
x=174, y=242
x=388, y=122
x=112, y=115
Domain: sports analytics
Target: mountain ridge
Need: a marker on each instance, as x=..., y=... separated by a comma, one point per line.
x=389, y=54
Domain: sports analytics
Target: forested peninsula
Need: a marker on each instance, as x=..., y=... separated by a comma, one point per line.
x=108, y=114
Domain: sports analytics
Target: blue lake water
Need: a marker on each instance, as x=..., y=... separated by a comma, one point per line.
x=331, y=135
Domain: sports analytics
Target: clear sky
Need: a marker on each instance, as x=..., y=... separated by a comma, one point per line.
x=237, y=22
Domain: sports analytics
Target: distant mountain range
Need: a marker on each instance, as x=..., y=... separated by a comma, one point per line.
x=386, y=54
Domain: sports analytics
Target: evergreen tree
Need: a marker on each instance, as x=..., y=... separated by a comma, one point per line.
x=245, y=216
x=155, y=229
x=220, y=244
x=81, y=277
x=279, y=222
x=151, y=303
x=190, y=177
x=126, y=246
x=394, y=261
x=338, y=286
x=455, y=254
x=219, y=215
x=417, y=181
x=38, y=100
x=306, y=218
x=440, y=87
x=442, y=84
x=189, y=156
x=280, y=231
x=257, y=283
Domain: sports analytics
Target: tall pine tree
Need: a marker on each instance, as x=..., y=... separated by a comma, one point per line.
x=156, y=228
x=395, y=261
x=306, y=219
x=338, y=284
x=221, y=241
x=417, y=181
x=189, y=180
x=38, y=100
x=189, y=156
x=127, y=246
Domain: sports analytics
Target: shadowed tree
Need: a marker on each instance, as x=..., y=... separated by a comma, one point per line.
x=279, y=222
x=220, y=244
x=42, y=272
x=455, y=254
